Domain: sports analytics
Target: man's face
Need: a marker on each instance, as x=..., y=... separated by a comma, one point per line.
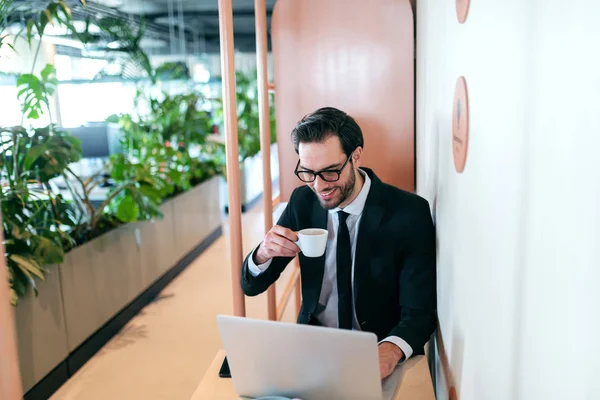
x=329, y=156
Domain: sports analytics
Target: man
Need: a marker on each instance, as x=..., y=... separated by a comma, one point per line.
x=378, y=271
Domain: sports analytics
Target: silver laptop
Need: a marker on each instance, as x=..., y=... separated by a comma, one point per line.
x=296, y=361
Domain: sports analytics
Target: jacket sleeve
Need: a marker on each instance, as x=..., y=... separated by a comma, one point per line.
x=418, y=283
x=255, y=285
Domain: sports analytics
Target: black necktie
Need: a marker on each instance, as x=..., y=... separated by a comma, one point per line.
x=344, y=273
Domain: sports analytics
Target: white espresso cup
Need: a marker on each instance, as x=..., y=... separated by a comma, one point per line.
x=312, y=242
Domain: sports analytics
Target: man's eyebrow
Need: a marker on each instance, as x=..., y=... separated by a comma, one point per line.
x=326, y=168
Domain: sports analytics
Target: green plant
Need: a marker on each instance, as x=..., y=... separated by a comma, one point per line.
x=248, y=116
x=57, y=11
x=35, y=92
x=131, y=198
x=6, y=8
x=40, y=225
x=172, y=70
x=127, y=39
x=34, y=218
x=167, y=143
x=163, y=154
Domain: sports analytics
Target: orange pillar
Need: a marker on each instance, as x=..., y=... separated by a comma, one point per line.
x=231, y=147
x=10, y=378
x=260, y=10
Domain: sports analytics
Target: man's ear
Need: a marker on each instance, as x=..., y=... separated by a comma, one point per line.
x=357, y=157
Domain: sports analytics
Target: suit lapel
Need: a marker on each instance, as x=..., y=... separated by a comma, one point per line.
x=369, y=224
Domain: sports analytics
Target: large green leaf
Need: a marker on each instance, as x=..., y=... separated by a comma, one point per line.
x=31, y=95
x=34, y=93
x=28, y=265
x=127, y=209
x=65, y=9
x=33, y=154
x=49, y=77
x=47, y=16
x=150, y=192
x=119, y=167
x=60, y=150
x=30, y=25
x=49, y=252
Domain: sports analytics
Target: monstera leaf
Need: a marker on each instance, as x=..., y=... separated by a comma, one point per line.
x=34, y=93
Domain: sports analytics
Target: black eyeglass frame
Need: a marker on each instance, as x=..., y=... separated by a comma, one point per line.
x=320, y=173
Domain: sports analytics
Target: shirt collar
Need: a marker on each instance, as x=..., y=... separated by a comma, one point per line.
x=358, y=204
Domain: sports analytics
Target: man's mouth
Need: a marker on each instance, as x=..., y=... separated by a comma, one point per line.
x=327, y=194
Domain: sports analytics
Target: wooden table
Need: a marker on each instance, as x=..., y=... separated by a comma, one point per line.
x=414, y=382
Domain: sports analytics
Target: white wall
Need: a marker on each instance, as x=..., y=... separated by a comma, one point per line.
x=519, y=231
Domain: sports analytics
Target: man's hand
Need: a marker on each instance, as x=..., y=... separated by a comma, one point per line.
x=389, y=357
x=279, y=242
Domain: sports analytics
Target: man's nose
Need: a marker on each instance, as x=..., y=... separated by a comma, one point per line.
x=319, y=184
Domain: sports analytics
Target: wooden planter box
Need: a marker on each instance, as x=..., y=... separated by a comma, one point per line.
x=41, y=330
x=98, y=279
x=197, y=214
x=158, y=250
x=101, y=278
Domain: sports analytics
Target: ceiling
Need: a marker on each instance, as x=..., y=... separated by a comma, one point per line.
x=170, y=23
x=200, y=19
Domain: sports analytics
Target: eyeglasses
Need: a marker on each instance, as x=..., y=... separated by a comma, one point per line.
x=328, y=175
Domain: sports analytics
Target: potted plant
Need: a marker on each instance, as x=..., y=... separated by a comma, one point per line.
x=171, y=139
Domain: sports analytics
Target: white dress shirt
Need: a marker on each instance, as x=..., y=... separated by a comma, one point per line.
x=327, y=313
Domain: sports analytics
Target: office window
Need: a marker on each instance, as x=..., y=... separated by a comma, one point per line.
x=94, y=102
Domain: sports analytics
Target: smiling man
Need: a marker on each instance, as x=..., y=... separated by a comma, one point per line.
x=378, y=270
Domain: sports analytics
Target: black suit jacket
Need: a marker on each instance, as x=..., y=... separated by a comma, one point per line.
x=394, y=272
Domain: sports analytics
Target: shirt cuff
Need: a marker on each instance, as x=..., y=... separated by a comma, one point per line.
x=405, y=347
x=256, y=270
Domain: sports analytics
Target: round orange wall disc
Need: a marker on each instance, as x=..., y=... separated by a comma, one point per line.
x=460, y=125
x=462, y=10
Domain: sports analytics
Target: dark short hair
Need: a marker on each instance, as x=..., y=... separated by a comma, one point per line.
x=326, y=122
